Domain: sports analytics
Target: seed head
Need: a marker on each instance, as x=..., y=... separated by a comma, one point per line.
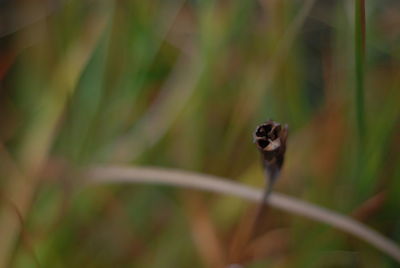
x=270, y=138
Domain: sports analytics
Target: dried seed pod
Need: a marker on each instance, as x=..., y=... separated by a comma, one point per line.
x=270, y=138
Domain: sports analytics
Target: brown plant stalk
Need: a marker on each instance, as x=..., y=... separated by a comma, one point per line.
x=270, y=139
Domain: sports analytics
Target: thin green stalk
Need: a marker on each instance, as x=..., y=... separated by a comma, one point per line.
x=359, y=66
x=359, y=57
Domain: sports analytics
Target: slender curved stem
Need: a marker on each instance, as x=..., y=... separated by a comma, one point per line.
x=121, y=174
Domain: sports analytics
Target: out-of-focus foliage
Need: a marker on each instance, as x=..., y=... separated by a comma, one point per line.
x=182, y=84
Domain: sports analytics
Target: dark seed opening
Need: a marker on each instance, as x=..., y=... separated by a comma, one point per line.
x=263, y=143
x=261, y=132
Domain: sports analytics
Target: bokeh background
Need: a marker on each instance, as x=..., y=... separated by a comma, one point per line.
x=182, y=84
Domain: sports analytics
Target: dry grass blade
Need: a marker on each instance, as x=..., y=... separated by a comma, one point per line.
x=120, y=174
x=41, y=133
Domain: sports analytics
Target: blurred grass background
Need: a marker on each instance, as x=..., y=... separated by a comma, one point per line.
x=182, y=84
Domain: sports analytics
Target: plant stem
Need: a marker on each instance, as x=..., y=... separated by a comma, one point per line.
x=359, y=66
x=120, y=174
